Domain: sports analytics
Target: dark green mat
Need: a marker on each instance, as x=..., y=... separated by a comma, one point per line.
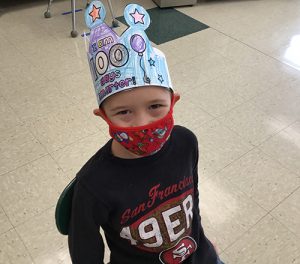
x=168, y=24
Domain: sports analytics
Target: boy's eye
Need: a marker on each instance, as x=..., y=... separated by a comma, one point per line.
x=123, y=112
x=155, y=106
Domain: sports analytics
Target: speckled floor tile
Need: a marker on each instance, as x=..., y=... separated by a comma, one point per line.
x=274, y=37
x=71, y=158
x=30, y=31
x=188, y=114
x=267, y=242
x=213, y=64
x=243, y=55
x=13, y=250
x=285, y=146
x=61, y=60
x=249, y=82
x=282, y=102
x=78, y=86
x=62, y=128
x=86, y=107
x=5, y=224
x=37, y=101
x=9, y=55
x=43, y=241
x=289, y=53
x=223, y=209
x=215, y=97
x=27, y=78
x=251, y=123
x=257, y=174
x=7, y=116
x=173, y=55
x=200, y=43
x=218, y=147
x=18, y=146
x=288, y=212
x=31, y=189
x=188, y=77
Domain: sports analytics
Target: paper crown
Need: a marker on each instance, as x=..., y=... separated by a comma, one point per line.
x=118, y=63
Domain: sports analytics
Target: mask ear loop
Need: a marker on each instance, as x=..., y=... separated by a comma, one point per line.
x=173, y=101
x=104, y=116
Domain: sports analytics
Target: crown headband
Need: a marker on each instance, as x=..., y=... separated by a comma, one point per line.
x=119, y=63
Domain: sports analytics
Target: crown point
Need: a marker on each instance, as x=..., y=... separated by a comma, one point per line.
x=95, y=13
x=137, y=17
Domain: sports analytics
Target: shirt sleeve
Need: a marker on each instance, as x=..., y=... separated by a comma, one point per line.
x=85, y=242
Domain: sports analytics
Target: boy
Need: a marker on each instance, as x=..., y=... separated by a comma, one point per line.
x=141, y=187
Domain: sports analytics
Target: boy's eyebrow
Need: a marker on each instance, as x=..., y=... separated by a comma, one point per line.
x=158, y=101
x=118, y=108
x=122, y=107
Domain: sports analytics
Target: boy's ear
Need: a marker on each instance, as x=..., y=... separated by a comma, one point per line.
x=176, y=97
x=99, y=112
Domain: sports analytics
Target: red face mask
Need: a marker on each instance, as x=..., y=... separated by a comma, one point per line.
x=144, y=140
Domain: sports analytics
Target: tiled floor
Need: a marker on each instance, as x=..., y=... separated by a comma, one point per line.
x=240, y=86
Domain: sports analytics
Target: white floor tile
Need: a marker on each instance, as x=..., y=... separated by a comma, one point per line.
x=43, y=241
x=251, y=123
x=223, y=209
x=37, y=101
x=5, y=224
x=61, y=128
x=7, y=116
x=288, y=212
x=282, y=102
x=285, y=146
x=218, y=147
x=189, y=114
x=13, y=251
x=215, y=97
x=71, y=158
x=257, y=174
x=31, y=189
x=267, y=242
x=18, y=146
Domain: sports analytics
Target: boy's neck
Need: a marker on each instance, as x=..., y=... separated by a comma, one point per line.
x=119, y=151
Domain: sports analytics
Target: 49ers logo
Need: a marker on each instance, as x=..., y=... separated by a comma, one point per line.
x=180, y=252
x=162, y=228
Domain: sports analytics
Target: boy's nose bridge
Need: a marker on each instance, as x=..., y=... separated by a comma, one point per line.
x=142, y=118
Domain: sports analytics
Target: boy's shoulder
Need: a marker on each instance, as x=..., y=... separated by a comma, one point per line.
x=184, y=143
x=184, y=135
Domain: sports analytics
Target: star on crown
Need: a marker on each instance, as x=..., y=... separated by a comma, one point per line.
x=138, y=17
x=95, y=13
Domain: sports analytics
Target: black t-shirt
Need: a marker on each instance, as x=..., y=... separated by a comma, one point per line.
x=148, y=207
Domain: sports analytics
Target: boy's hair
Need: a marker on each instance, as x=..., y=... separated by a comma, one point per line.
x=118, y=63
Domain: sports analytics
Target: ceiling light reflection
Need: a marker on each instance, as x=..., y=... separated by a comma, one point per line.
x=292, y=54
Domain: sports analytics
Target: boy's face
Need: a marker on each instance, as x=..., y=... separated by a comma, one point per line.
x=137, y=107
